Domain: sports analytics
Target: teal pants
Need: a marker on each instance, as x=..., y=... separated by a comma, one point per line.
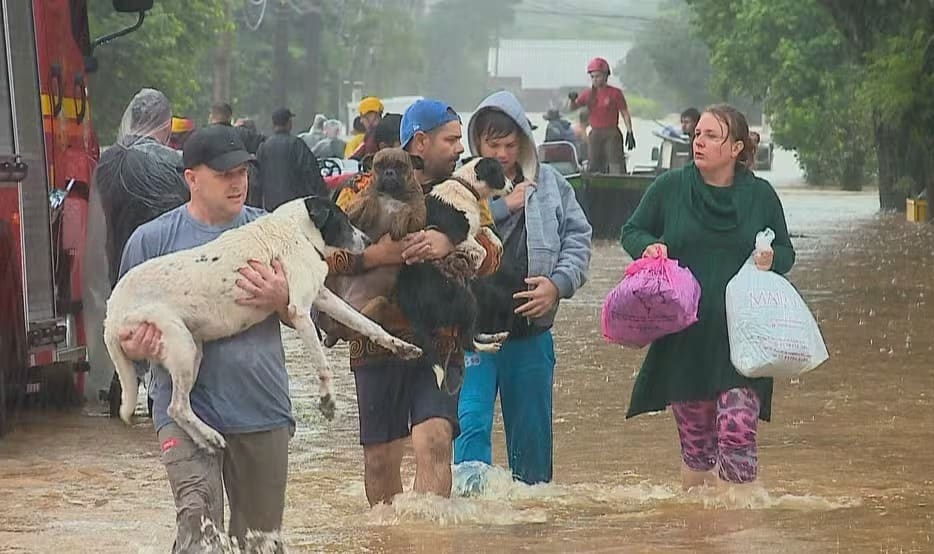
x=522, y=372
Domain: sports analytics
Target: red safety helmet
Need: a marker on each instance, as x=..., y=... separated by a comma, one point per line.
x=598, y=64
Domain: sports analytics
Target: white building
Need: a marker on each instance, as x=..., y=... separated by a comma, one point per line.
x=552, y=64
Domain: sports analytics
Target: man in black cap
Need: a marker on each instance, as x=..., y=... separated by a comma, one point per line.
x=242, y=389
x=287, y=168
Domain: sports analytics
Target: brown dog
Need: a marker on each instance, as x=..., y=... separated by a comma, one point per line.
x=393, y=204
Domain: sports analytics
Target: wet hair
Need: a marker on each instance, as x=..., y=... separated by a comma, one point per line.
x=736, y=129
x=387, y=131
x=691, y=113
x=495, y=124
x=221, y=111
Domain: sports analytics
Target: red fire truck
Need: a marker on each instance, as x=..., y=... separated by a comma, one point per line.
x=48, y=152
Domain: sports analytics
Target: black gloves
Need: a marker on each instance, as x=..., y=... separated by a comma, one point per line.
x=630, y=141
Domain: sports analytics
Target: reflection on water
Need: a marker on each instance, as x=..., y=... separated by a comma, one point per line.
x=845, y=462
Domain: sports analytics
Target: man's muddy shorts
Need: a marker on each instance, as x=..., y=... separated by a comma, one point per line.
x=253, y=469
x=395, y=395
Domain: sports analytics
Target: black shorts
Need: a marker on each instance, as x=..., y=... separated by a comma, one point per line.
x=394, y=395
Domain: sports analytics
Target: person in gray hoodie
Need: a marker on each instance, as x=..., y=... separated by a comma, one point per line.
x=546, y=255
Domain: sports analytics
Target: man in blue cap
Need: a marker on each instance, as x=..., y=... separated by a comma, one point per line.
x=399, y=398
x=432, y=131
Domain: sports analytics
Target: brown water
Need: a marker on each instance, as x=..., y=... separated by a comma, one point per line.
x=846, y=462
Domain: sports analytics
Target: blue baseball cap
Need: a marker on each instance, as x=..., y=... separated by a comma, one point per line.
x=425, y=115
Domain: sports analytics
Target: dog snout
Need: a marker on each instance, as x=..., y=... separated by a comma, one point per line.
x=390, y=183
x=389, y=173
x=507, y=188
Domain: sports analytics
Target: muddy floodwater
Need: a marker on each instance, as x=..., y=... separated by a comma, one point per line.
x=846, y=463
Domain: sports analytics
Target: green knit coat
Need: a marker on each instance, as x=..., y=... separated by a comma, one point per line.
x=710, y=230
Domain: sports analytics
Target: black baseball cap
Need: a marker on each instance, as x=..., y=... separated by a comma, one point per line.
x=282, y=116
x=216, y=146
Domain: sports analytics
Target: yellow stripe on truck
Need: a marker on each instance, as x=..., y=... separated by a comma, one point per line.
x=69, y=107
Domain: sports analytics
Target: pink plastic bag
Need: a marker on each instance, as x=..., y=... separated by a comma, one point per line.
x=657, y=297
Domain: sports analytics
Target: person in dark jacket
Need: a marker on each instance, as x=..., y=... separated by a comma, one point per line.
x=287, y=168
x=222, y=114
x=137, y=179
x=250, y=136
x=558, y=128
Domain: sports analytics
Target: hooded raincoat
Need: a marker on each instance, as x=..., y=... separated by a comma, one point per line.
x=550, y=237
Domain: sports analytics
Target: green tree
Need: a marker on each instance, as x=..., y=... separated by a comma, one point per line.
x=376, y=48
x=892, y=39
x=162, y=54
x=846, y=81
x=669, y=62
x=789, y=53
x=361, y=42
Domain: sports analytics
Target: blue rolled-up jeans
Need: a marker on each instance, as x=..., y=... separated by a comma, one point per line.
x=522, y=372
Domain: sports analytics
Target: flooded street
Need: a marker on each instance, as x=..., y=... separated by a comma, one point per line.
x=846, y=463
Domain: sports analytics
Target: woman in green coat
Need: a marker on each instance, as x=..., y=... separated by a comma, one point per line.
x=706, y=215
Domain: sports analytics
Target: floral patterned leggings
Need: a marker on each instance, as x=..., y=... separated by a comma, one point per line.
x=721, y=432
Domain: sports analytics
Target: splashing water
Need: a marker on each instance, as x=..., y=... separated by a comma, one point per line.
x=413, y=507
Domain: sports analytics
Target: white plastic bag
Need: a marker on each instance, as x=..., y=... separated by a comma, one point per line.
x=772, y=331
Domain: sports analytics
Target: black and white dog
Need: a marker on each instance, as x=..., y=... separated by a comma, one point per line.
x=432, y=298
x=190, y=296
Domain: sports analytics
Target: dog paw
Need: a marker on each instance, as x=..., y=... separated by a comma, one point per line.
x=487, y=348
x=210, y=440
x=404, y=350
x=327, y=406
x=439, y=374
x=490, y=343
x=496, y=337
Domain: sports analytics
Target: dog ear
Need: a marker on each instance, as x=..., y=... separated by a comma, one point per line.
x=417, y=162
x=366, y=164
x=319, y=210
x=490, y=172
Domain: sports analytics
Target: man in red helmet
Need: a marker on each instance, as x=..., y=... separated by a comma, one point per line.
x=605, y=104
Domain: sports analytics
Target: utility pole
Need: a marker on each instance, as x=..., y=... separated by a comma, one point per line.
x=280, y=57
x=352, y=71
x=222, y=63
x=312, y=76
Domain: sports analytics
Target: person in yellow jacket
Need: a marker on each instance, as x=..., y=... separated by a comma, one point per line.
x=371, y=113
x=182, y=128
x=359, y=133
